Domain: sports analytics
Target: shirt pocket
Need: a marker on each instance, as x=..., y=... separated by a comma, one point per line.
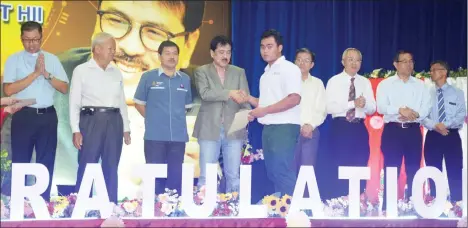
x=451, y=104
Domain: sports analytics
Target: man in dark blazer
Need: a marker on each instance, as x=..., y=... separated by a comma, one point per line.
x=221, y=87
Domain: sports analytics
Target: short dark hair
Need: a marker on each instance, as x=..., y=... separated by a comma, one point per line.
x=167, y=43
x=443, y=64
x=306, y=50
x=194, y=11
x=220, y=40
x=275, y=34
x=30, y=26
x=396, y=58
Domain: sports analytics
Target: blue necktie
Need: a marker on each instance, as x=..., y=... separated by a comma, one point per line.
x=440, y=106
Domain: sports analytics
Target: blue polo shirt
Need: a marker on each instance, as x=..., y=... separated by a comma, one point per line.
x=166, y=99
x=19, y=65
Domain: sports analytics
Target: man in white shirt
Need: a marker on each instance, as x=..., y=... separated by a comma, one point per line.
x=98, y=113
x=278, y=110
x=313, y=110
x=404, y=101
x=349, y=99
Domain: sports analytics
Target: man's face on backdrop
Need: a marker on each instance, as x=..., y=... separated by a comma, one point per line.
x=139, y=27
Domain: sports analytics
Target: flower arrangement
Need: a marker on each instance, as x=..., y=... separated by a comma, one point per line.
x=5, y=164
x=277, y=207
x=381, y=73
x=227, y=205
x=248, y=157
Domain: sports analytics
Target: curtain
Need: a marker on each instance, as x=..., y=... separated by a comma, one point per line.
x=430, y=29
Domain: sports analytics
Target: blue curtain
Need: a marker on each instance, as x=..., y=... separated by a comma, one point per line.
x=430, y=29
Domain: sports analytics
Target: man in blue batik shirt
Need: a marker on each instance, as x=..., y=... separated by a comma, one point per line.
x=34, y=74
x=443, y=123
x=162, y=97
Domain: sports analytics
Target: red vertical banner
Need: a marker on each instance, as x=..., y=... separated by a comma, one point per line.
x=375, y=126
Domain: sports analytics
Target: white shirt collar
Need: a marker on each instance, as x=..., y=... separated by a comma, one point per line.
x=161, y=71
x=277, y=62
x=93, y=64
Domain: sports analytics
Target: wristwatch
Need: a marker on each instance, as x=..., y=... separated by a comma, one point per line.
x=50, y=76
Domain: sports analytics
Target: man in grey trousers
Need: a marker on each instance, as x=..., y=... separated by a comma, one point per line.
x=98, y=113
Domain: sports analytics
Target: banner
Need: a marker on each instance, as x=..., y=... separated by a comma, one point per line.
x=68, y=27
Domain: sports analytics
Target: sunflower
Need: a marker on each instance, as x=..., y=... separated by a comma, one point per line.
x=286, y=199
x=282, y=208
x=271, y=202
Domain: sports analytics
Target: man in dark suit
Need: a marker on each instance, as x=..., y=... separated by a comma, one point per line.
x=219, y=85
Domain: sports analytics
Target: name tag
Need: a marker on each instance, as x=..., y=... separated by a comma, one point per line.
x=181, y=89
x=157, y=87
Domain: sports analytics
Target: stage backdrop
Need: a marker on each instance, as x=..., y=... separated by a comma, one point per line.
x=430, y=29
x=68, y=29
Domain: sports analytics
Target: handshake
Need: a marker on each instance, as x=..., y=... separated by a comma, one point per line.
x=239, y=96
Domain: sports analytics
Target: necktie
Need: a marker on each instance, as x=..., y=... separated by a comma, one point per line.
x=352, y=96
x=440, y=106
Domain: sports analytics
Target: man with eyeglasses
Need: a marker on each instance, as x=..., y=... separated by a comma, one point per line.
x=139, y=27
x=443, y=123
x=34, y=74
x=350, y=99
x=313, y=110
x=404, y=101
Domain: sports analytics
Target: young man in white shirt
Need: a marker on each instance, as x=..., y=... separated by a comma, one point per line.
x=278, y=110
x=313, y=110
x=349, y=99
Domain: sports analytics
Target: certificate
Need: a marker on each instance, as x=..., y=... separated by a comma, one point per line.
x=240, y=121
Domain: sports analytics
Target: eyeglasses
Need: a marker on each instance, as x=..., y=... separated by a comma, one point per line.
x=305, y=61
x=119, y=26
x=434, y=70
x=406, y=61
x=34, y=41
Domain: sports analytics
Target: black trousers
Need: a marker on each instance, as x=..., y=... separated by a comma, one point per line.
x=436, y=148
x=398, y=142
x=102, y=138
x=170, y=153
x=348, y=146
x=35, y=128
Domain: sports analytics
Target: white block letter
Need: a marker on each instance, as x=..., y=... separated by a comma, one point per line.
x=19, y=190
x=307, y=176
x=93, y=172
x=148, y=172
x=193, y=210
x=355, y=175
x=246, y=210
x=441, y=184
x=392, y=182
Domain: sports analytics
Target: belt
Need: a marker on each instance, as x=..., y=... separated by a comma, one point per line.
x=88, y=110
x=404, y=125
x=355, y=120
x=39, y=111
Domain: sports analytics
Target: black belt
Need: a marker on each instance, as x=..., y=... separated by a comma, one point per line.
x=404, y=125
x=39, y=110
x=355, y=120
x=91, y=110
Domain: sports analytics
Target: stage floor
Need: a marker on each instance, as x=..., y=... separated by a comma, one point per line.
x=237, y=222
